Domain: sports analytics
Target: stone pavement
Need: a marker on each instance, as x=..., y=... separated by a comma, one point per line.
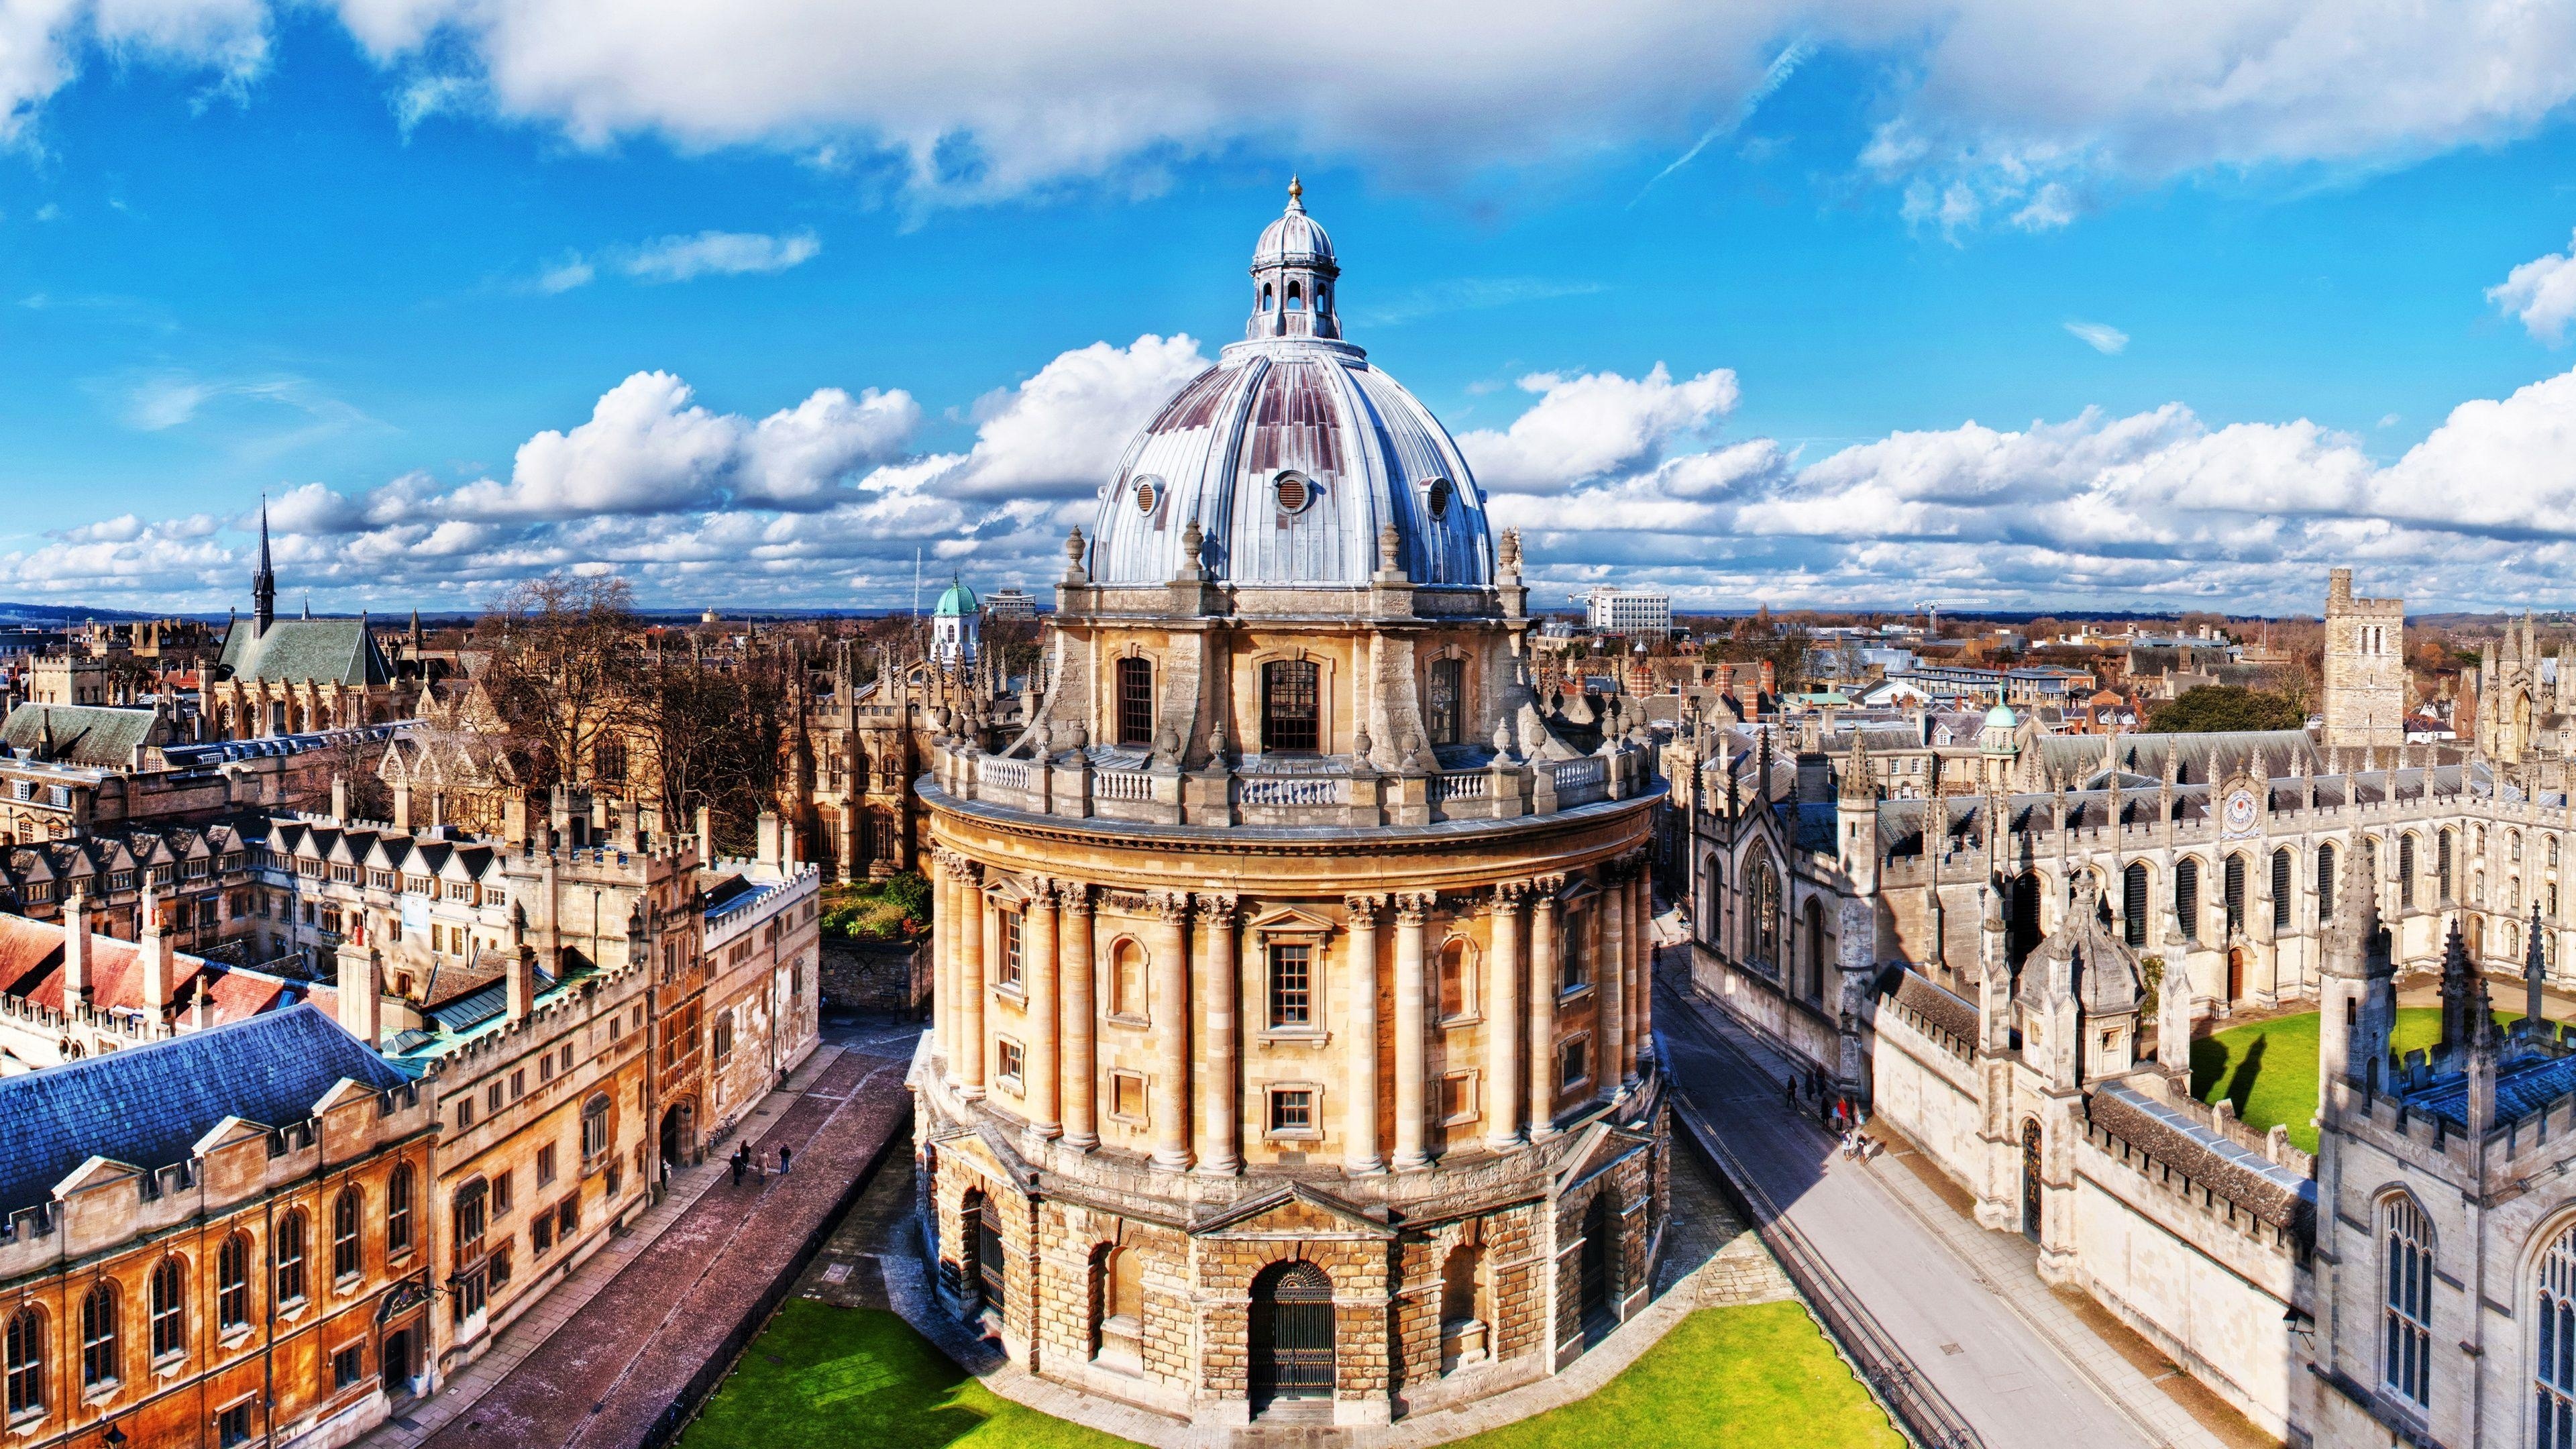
x=601, y=1358
x=2024, y=1366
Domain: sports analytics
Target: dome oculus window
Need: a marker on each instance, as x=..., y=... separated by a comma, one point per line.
x=1436, y=495
x=1292, y=492
x=1149, y=491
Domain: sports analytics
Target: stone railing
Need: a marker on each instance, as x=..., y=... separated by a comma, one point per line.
x=1328, y=792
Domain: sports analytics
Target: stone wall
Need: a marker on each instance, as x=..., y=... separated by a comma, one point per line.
x=886, y=976
x=1927, y=1091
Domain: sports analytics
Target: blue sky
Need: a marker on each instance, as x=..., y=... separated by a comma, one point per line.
x=2134, y=309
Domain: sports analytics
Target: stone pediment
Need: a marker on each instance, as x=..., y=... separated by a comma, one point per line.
x=1608, y=1145
x=96, y=1172
x=1295, y=1209
x=1289, y=921
x=226, y=1132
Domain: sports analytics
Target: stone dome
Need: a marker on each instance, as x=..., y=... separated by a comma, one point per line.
x=1291, y=454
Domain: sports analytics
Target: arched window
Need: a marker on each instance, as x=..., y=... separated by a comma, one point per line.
x=345, y=1257
x=2442, y=866
x=1269, y=299
x=1811, y=926
x=2513, y=847
x=2235, y=883
x=1291, y=706
x=2406, y=872
x=98, y=1337
x=2553, y=1366
x=2407, y=1304
x=1444, y=702
x=1296, y=298
x=289, y=1248
x=2281, y=873
x=594, y=1128
x=1135, y=701
x=1764, y=948
x=25, y=1365
x=473, y=1201
x=169, y=1308
x=398, y=1188
x=2133, y=904
x=232, y=1283
x=2187, y=897
x=2325, y=883
x=1454, y=986
x=984, y=1220
x=1127, y=979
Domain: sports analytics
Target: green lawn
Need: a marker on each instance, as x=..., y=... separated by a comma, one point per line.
x=1753, y=1377
x=2269, y=1069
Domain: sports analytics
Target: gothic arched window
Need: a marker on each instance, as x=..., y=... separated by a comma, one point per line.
x=1764, y=948
x=2187, y=897
x=2406, y=1302
x=2406, y=872
x=169, y=1309
x=2133, y=903
x=25, y=1364
x=98, y=1337
x=2325, y=883
x=2553, y=1365
x=232, y=1282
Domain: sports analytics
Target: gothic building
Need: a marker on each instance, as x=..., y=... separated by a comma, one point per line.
x=1293, y=1054
x=292, y=676
x=2011, y=977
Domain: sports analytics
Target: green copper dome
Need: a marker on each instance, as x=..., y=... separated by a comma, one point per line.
x=956, y=602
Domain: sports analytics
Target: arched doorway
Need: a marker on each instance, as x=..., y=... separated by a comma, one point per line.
x=1292, y=1334
x=1811, y=928
x=675, y=1135
x=2235, y=974
x=2021, y=928
x=1593, y=1276
x=2030, y=1183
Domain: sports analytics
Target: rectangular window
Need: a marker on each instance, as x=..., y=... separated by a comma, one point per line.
x=541, y=1235
x=568, y=1217
x=1577, y=953
x=1007, y=973
x=464, y=1112
x=518, y=1083
x=1444, y=705
x=232, y=1424
x=492, y=1098
x=1011, y=1060
x=1127, y=1096
x=1458, y=1096
x=1292, y=994
x=546, y=1165
x=1291, y=706
x=723, y=1047
x=1135, y=704
x=348, y=1366
x=1573, y=1065
x=1292, y=1110
x=501, y=1194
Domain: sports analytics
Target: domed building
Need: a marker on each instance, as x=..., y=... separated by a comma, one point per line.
x=1293, y=1055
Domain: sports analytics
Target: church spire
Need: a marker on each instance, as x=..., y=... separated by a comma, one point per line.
x=263, y=584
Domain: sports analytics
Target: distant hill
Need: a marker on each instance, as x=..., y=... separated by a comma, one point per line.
x=77, y=613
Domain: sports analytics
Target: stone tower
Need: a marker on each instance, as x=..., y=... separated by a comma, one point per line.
x=2365, y=669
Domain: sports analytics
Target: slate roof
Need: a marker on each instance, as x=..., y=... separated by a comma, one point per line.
x=1927, y=999
x=2081, y=756
x=2274, y=1194
x=146, y=1106
x=2523, y=1086
x=84, y=734
x=292, y=651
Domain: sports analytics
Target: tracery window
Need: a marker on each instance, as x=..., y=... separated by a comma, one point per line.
x=25, y=1364
x=2133, y=904
x=2406, y=872
x=169, y=1309
x=2553, y=1366
x=232, y=1283
x=2235, y=884
x=2325, y=883
x=398, y=1209
x=2187, y=897
x=98, y=1337
x=289, y=1248
x=2406, y=1314
x=1765, y=945
x=345, y=1257
x=2281, y=889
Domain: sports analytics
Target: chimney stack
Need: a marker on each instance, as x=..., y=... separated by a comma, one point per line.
x=514, y=822
x=157, y=956
x=339, y=798
x=76, y=948
x=706, y=835
x=522, y=978
x=772, y=847
x=402, y=806
x=362, y=995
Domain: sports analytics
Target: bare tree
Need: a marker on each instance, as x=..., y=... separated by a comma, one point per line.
x=567, y=657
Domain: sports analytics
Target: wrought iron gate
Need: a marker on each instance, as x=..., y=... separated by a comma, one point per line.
x=1292, y=1334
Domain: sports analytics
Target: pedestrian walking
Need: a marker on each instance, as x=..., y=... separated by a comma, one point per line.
x=783, y=1155
x=1789, y=1093
x=739, y=1152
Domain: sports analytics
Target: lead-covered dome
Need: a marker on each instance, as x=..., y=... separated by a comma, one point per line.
x=1291, y=453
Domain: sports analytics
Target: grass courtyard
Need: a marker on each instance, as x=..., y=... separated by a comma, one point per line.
x=1759, y=1376
x=2269, y=1069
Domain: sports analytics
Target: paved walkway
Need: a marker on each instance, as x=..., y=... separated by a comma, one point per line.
x=603, y=1355
x=2024, y=1367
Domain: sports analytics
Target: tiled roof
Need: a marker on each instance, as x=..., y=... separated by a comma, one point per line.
x=83, y=734
x=292, y=651
x=2523, y=1086
x=1927, y=999
x=2274, y=1194
x=31, y=968
x=146, y=1106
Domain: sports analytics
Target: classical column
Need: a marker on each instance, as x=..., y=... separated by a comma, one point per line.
x=1359, y=1129
x=1503, y=997
x=1220, y=1116
x=943, y=963
x=1171, y=1018
x=1544, y=973
x=1609, y=985
x=1046, y=1023
x=1081, y=1013
x=1412, y=913
x=1641, y=939
x=970, y=979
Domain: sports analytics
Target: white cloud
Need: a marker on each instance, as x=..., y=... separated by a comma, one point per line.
x=2001, y=107
x=1059, y=433
x=2542, y=294
x=1588, y=425
x=2102, y=337
x=718, y=253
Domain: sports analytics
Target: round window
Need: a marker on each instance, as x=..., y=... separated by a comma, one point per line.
x=1149, y=491
x=1293, y=492
x=1436, y=495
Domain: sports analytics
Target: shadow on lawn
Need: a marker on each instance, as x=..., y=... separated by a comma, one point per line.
x=2209, y=1062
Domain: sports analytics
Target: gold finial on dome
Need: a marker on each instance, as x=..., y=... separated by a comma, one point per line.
x=1296, y=191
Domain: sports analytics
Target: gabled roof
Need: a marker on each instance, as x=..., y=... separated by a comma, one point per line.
x=31, y=968
x=294, y=651
x=83, y=734
x=146, y=1106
